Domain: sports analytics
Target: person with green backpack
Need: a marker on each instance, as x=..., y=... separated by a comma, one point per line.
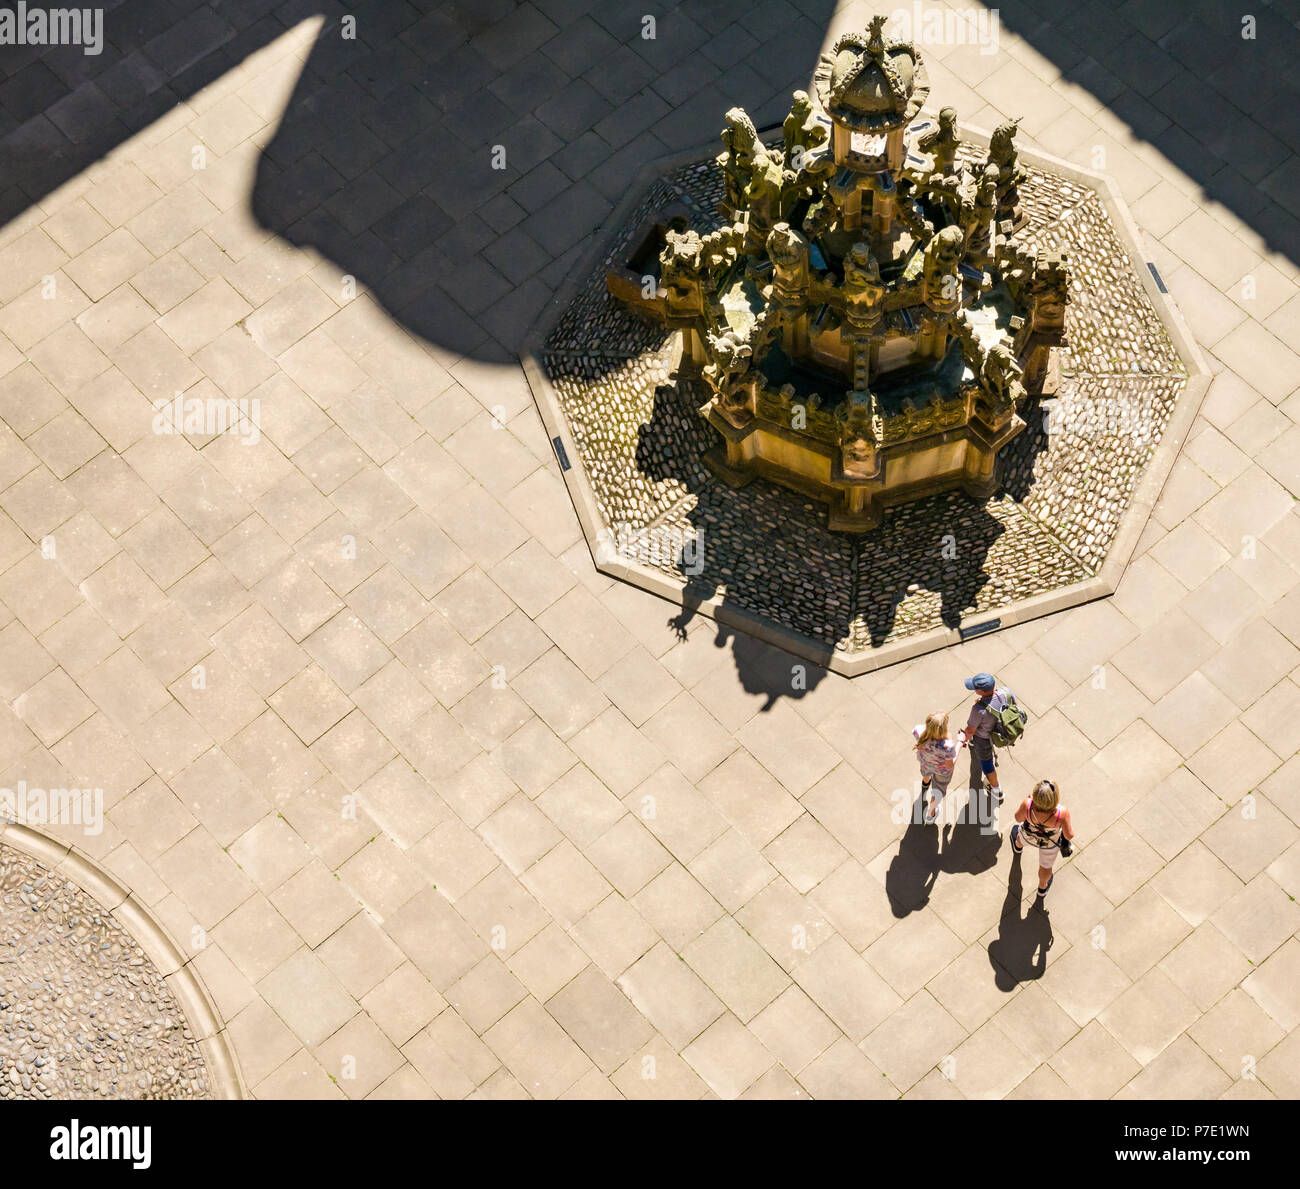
x=995, y=721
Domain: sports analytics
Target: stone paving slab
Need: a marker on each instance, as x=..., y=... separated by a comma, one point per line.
x=430, y=806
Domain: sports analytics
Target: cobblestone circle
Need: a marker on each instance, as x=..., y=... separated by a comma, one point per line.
x=1067, y=479
x=83, y=1012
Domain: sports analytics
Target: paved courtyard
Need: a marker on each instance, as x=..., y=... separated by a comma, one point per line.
x=434, y=809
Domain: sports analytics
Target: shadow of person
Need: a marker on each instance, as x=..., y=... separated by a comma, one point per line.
x=975, y=776
x=914, y=869
x=1019, y=952
x=971, y=843
x=986, y=804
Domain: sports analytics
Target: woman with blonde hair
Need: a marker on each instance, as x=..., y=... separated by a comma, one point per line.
x=1043, y=822
x=937, y=755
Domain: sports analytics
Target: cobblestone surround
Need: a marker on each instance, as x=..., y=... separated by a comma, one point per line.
x=84, y=1013
x=1067, y=479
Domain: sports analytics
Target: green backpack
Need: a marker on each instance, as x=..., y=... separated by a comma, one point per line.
x=1008, y=721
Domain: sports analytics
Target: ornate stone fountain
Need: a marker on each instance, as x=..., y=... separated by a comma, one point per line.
x=867, y=328
x=869, y=308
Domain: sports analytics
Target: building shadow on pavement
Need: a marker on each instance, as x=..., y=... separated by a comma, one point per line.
x=385, y=159
x=1218, y=97
x=458, y=163
x=382, y=161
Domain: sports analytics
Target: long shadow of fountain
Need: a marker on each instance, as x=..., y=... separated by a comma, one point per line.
x=764, y=552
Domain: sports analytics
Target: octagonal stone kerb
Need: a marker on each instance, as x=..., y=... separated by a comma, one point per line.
x=800, y=634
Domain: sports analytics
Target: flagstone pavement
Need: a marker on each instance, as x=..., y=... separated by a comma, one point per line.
x=438, y=810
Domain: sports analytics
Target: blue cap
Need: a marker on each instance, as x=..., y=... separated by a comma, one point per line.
x=983, y=682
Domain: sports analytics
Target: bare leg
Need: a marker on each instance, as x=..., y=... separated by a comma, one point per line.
x=1044, y=882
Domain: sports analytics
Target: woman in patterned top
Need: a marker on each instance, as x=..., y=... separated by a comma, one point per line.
x=937, y=755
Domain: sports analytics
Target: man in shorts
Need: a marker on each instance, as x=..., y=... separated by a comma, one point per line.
x=976, y=732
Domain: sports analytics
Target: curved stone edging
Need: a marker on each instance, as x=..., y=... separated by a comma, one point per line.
x=144, y=928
